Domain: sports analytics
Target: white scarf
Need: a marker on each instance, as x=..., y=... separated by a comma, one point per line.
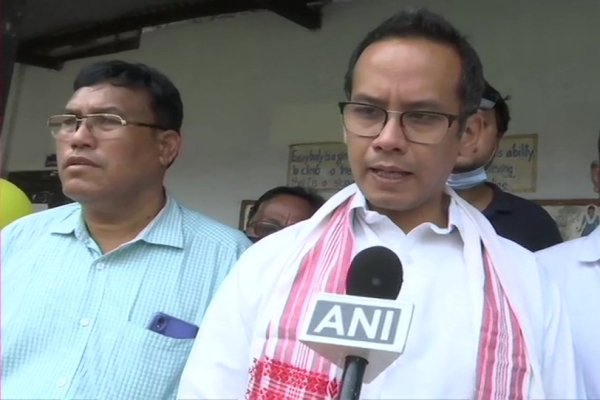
x=513, y=288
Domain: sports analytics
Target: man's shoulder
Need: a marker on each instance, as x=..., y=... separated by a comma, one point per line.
x=529, y=206
x=555, y=257
x=42, y=221
x=570, y=246
x=537, y=285
x=205, y=227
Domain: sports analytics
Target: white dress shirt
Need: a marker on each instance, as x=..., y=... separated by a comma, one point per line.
x=575, y=266
x=438, y=280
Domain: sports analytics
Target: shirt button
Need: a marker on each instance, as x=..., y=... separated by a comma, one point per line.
x=100, y=266
x=84, y=322
x=61, y=382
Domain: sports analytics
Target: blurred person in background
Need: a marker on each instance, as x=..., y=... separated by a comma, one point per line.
x=102, y=298
x=575, y=266
x=281, y=207
x=513, y=217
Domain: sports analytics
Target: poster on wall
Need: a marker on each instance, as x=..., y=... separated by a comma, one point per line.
x=575, y=218
x=514, y=168
x=324, y=166
x=42, y=187
x=319, y=166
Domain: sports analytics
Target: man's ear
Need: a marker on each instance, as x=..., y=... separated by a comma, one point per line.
x=595, y=175
x=470, y=137
x=170, y=145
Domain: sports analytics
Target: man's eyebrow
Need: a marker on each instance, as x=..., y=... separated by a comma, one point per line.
x=365, y=98
x=99, y=110
x=425, y=105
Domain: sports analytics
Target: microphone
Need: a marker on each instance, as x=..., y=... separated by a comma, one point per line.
x=364, y=331
x=375, y=272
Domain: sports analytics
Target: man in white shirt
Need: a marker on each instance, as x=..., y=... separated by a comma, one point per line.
x=575, y=265
x=487, y=323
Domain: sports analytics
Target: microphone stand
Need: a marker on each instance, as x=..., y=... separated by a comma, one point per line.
x=352, y=378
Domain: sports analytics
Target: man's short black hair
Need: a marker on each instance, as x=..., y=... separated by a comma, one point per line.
x=311, y=197
x=165, y=98
x=500, y=107
x=421, y=23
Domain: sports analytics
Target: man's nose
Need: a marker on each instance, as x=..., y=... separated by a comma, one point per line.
x=391, y=137
x=83, y=136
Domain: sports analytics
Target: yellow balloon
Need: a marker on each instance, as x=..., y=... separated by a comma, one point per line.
x=14, y=204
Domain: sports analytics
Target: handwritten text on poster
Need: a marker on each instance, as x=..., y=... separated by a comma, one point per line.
x=514, y=168
x=320, y=166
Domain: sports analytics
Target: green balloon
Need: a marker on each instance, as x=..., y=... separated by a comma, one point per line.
x=14, y=204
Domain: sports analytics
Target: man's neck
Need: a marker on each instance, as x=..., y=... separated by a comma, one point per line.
x=479, y=196
x=435, y=212
x=118, y=221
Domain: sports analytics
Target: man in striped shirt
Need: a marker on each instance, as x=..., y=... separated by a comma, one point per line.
x=101, y=298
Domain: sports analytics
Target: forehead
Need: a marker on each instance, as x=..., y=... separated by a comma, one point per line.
x=408, y=70
x=106, y=98
x=283, y=206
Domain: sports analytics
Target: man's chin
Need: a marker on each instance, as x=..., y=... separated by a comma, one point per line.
x=81, y=192
x=465, y=168
x=390, y=202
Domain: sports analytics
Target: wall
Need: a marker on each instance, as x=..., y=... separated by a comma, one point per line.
x=242, y=76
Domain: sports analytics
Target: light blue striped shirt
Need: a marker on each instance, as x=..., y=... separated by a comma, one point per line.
x=74, y=320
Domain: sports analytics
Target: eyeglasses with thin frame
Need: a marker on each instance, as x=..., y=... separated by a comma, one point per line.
x=425, y=127
x=102, y=126
x=263, y=229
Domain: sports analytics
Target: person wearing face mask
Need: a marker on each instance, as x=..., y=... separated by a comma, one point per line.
x=412, y=86
x=281, y=207
x=513, y=217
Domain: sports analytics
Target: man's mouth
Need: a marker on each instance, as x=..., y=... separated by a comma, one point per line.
x=79, y=161
x=390, y=173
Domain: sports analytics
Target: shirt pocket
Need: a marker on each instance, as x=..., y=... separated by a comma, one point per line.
x=150, y=339
x=147, y=364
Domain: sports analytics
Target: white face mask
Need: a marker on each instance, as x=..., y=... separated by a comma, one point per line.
x=468, y=180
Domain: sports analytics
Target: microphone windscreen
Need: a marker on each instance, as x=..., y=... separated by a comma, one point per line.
x=375, y=272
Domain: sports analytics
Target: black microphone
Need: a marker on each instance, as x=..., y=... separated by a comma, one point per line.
x=375, y=272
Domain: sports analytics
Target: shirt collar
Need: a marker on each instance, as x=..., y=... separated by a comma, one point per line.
x=165, y=229
x=500, y=201
x=589, y=250
x=359, y=205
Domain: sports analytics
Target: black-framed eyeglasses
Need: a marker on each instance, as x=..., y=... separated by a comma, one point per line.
x=425, y=127
x=262, y=229
x=101, y=125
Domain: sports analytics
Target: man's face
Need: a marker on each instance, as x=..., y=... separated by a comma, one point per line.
x=404, y=75
x=278, y=213
x=483, y=129
x=125, y=159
